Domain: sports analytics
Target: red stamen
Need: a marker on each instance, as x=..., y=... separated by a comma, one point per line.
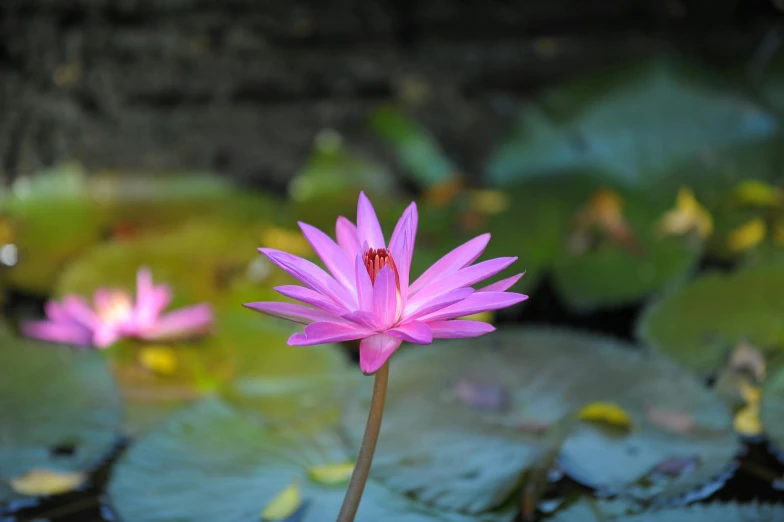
x=378, y=258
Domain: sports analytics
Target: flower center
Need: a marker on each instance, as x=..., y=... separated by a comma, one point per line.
x=117, y=309
x=378, y=258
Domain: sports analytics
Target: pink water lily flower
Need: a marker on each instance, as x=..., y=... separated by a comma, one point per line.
x=114, y=315
x=367, y=295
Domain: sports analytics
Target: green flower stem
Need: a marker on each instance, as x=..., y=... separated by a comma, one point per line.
x=362, y=467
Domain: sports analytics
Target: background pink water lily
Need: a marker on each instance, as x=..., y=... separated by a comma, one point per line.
x=114, y=315
x=367, y=293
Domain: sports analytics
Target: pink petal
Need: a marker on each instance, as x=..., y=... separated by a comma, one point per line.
x=291, y=312
x=368, y=228
x=502, y=285
x=348, y=240
x=464, y=277
x=312, y=276
x=335, y=259
x=78, y=308
x=477, y=303
x=181, y=323
x=434, y=305
x=458, y=258
x=310, y=297
x=385, y=297
x=66, y=333
x=413, y=331
x=106, y=335
x=401, y=245
x=364, y=285
x=56, y=313
x=365, y=319
x=328, y=332
x=457, y=329
x=375, y=350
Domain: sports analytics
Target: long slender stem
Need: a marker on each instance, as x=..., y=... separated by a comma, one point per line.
x=362, y=467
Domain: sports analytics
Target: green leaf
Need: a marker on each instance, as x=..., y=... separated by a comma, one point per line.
x=699, y=324
x=655, y=126
x=772, y=410
x=439, y=447
x=221, y=466
x=59, y=409
x=418, y=151
x=601, y=511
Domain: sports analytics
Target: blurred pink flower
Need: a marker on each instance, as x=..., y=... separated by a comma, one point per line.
x=367, y=294
x=114, y=315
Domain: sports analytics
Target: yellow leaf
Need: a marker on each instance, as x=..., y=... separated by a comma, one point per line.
x=488, y=201
x=442, y=194
x=746, y=236
x=485, y=317
x=758, y=193
x=606, y=412
x=603, y=212
x=158, y=359
x=287, y=240
x=43, y=482
x=747, y=421
x=284, y=504
x=687, y=216
x=332, y=474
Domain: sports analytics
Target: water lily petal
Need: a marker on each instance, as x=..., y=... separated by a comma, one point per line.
x=385, y=297
x=348, y=239
x=364, y=285
x=78, y=308
x=436, y=304
x=413, y=331
x=368, y=228
x=335, y=259
x=457, y=329
x=56, y=313
x=292, y=312
x=181, y=323
x=310, y=297
x=365, y=319
x=375, y=350
x=106, y=335
x=401, y=244
x=502, y=285
x=477, y=303
x=312, y=276
x=66, y=333
x=328, y=332
x=458, y=258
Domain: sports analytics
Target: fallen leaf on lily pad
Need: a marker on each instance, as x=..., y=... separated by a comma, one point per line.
x=757, y=193
x=452, y=455
x=603, y=213
x=60, y=411
x=606, y=412
x=701, y=323
x=285, y=504
x=45, y=482
x=687, y=216
x=746, y=236
x=220, y=454
x=161, y=360
x=332, y=474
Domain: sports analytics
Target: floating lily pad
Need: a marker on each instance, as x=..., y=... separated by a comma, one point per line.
x=418, y=151
x=772, y=411
x=654, y=126
x=699, y=324
x=59, y=410
x=623, y=271
x=446, y=449
x=234, y=468
x=601, y=511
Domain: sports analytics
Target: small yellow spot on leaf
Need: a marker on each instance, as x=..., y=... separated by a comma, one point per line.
x=284, y=504
x=43, y=482
x=746, y=236
x=757, y=193
x=286, y=240
x=747, y=421
x=671, y=420
x=159, y=359
x=332, y=474
x=687, y=216
x=606, y=412
x=488, y=201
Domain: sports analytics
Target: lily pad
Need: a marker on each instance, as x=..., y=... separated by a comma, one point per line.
x=443, y=448
x=418, y=151
x=699, y=324
x=234, y=468
x=653, y=127
x=772, y=411
x=592, y=511
x=59, y=409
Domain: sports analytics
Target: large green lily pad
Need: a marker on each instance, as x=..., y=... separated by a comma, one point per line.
x=602, y=511
x=653, y=126
x=446, y=452
x=234, y=467
x=59, y=409
x=699, y=324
